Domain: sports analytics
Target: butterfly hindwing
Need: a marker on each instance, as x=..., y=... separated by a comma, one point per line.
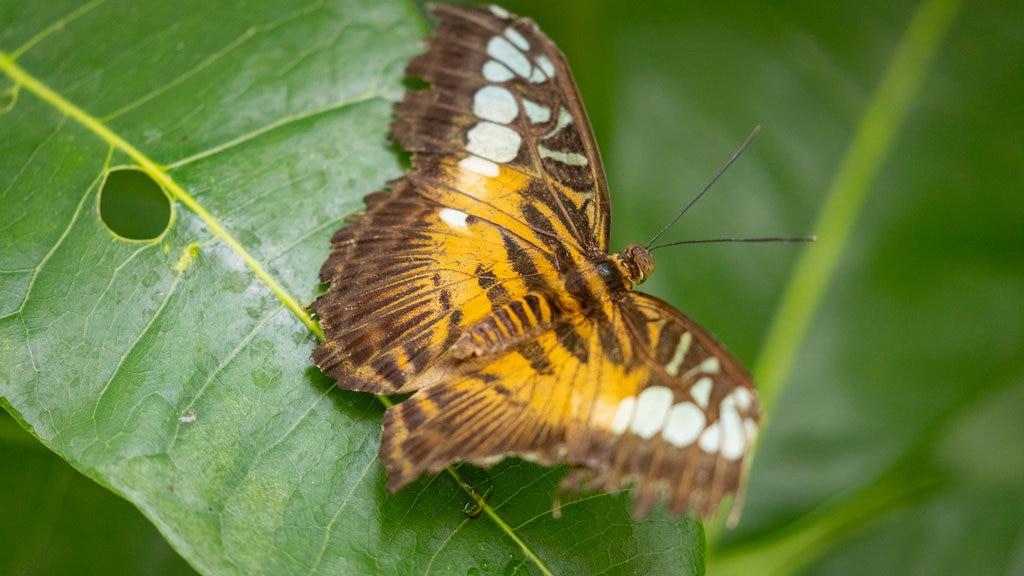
x=670, y=415
x=685, y=429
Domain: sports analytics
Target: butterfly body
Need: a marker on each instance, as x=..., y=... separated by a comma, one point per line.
x=481, y=281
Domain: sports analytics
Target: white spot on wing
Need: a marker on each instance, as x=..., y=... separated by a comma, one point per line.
x=710, y=365
x=734, y=441
x=496, y=104
x=503, y=51
x=455, y=219
x=744, y=399
x=685, y=421
x=479, y=165
x=517, y=38
x=680, y=354
x=568, y=158
x=493, y=141
x=537, y=76
x=537, y=113
x=701, y=391
x=623, y=415
x=709, y=440
x=496, y=72
x=499, y=12
x=564, y=119
x=652, y=406
x=546, y=66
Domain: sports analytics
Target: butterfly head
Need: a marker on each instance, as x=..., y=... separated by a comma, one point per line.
x=637, y=262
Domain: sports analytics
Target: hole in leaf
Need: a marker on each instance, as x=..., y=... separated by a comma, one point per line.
x=133, y=205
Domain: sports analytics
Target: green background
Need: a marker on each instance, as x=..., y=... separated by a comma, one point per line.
x=893, y=444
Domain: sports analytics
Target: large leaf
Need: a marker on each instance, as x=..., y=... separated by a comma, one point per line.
x=175, y=371
x=892, y=450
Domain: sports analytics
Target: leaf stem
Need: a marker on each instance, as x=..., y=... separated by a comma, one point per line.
x=872, y=144
x=792, y=548
x=482, y=505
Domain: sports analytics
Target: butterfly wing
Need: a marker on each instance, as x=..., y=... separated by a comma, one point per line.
x=502, y=100
x=641, y=396
x=693, y=450
x=506, y=190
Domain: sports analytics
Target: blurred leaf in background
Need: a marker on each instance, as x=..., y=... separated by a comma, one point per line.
x=171, y=373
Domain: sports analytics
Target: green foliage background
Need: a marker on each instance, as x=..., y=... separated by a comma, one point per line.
x=893, y=442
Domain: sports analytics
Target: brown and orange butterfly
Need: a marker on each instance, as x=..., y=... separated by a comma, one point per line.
x=482, y=282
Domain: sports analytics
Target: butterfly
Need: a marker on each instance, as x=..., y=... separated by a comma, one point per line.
x=481, y=282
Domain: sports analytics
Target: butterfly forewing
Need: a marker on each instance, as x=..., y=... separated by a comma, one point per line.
x=502, y=100
x=494, y=207
x=481, y=281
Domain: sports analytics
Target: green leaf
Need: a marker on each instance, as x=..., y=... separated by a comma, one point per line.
x=892, y=447
x=175, y=370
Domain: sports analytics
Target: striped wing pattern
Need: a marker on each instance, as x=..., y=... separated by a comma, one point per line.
x=481, y=282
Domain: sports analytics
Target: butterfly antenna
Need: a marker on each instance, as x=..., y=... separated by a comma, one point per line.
x=708, y=186
x=717, y=240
